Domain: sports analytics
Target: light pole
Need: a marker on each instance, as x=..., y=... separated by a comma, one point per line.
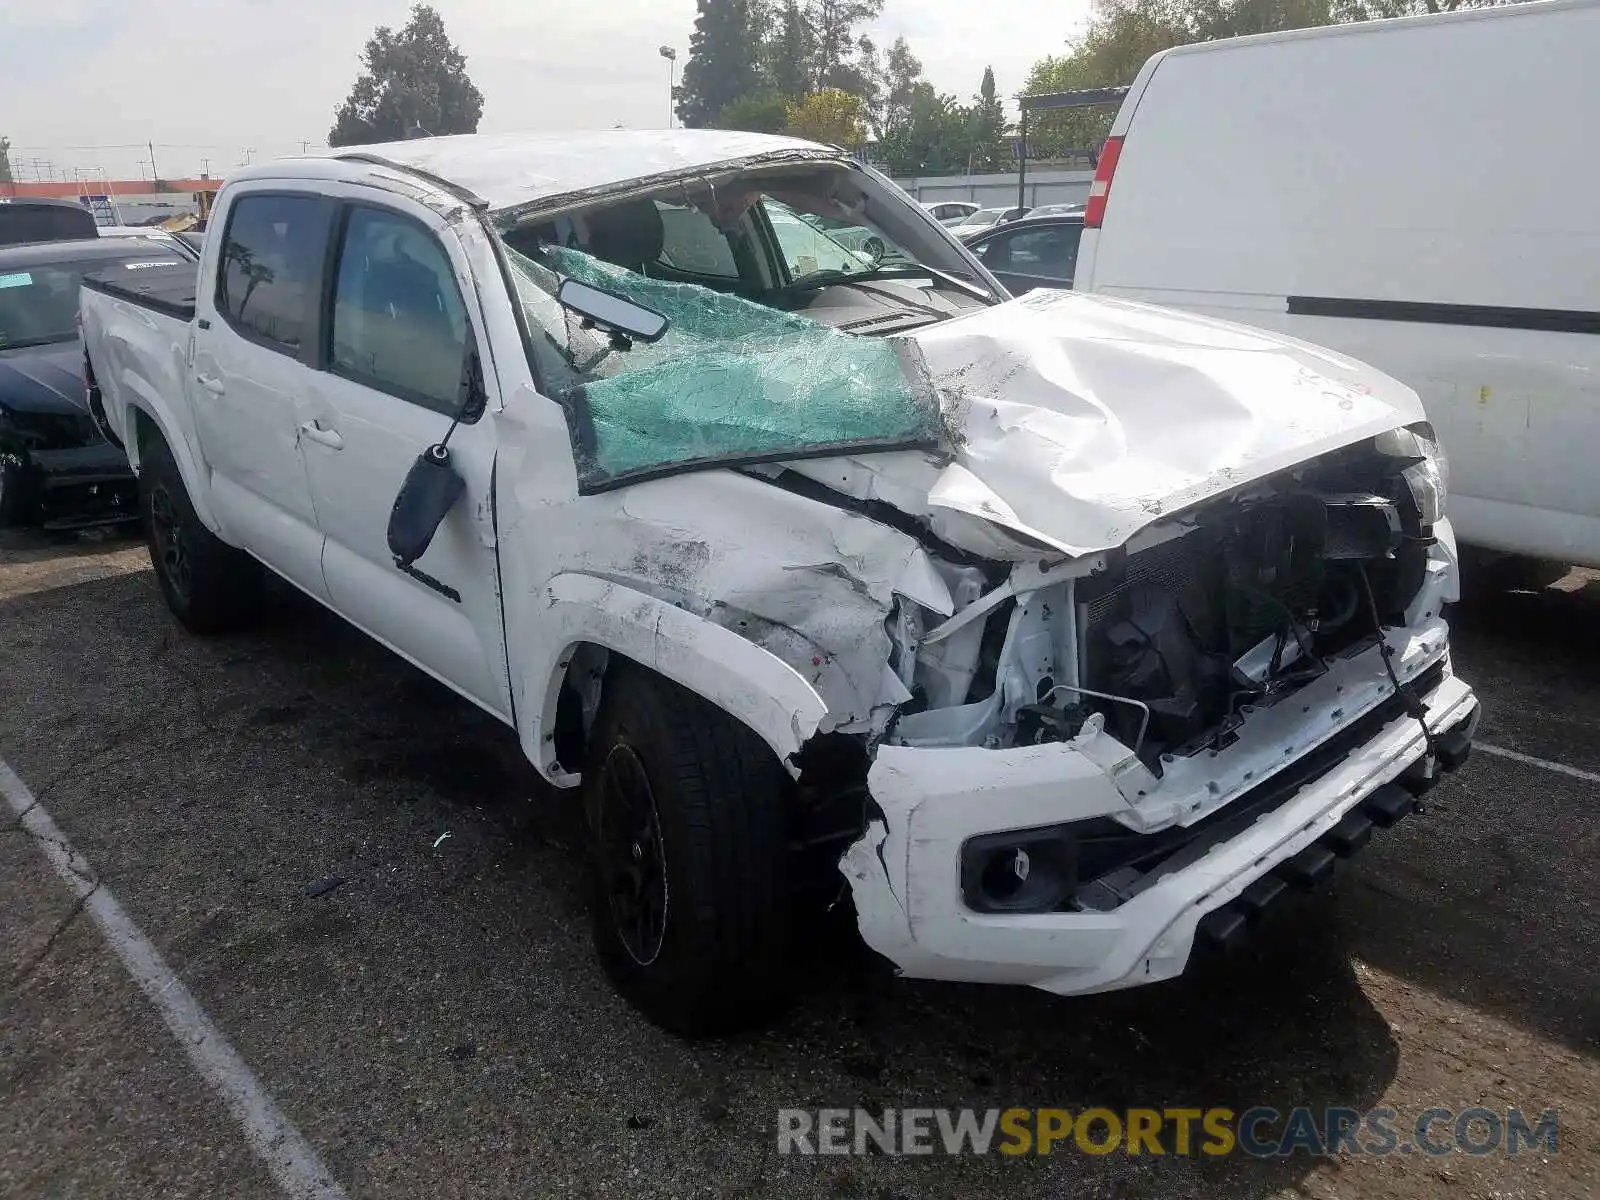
x=671, y=55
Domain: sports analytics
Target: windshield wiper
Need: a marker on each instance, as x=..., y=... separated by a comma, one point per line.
x=831, y=276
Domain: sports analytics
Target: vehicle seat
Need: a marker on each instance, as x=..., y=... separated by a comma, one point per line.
x=629, y=235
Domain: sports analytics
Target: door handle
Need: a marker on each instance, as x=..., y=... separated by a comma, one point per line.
x=323, y=437
x=211, y=384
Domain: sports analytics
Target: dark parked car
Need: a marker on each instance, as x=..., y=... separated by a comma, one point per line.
x=1032, y=252
x=28, y=219
x=56, y=467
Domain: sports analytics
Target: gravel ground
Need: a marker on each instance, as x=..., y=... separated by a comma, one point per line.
x=268, y=808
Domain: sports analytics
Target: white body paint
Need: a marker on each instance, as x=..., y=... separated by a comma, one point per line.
x=1083, y=426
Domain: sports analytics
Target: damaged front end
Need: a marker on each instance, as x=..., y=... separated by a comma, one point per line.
x=1098, y=753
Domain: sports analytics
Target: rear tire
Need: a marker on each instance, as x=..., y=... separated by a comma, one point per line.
x=209, y=586
x=688, y=854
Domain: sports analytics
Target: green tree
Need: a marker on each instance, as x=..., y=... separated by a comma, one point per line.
x=765, y=112
x=5, y=160
x=894, y=80
x=934, y=139
x=723, y=61
x=990, y=150
x=790, y=51
x=415, y=77
x=832, y=116
x=837, y=60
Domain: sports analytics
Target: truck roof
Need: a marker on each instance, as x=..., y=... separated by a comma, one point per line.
x=41, y=202
x=511, y=171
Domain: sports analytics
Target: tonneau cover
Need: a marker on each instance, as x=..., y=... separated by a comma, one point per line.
x=166, y=287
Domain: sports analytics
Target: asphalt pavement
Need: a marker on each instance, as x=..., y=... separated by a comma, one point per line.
x=377, y=906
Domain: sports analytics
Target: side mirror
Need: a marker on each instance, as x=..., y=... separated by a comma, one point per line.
x=430, y=491
x=617, y=315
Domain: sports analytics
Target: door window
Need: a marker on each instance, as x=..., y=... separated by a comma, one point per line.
x=271, y=263
x=1045, y=253
x=399, y=323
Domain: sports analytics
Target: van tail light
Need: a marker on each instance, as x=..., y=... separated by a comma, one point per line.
x=1100, y=190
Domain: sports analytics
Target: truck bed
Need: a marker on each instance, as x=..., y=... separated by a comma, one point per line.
x=136, y=332
x=167, y=288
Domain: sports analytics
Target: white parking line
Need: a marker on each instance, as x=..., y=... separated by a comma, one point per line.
x=288, y=1156
x=1530, y=760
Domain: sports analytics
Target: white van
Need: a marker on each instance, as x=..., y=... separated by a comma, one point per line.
x=1421, y=194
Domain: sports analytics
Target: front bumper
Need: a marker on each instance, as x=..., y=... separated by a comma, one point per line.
x=84, y=485
x=905, y=872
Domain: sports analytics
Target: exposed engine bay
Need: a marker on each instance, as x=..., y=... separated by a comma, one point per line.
x=1171, y=641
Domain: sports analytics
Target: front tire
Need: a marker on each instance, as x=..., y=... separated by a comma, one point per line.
x=209, y=586
x=688, y=851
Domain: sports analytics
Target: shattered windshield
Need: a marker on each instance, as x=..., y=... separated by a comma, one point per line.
x=770, y=286
x=730, y=381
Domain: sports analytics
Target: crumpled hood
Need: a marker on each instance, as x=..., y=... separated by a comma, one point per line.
x=1086, y=418
x=47, y=379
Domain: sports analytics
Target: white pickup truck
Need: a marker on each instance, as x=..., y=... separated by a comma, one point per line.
x=1057, y=635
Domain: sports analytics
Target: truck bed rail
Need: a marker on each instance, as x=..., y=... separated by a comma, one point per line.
x=167, y=288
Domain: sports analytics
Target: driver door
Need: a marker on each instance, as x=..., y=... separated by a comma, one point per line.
x=400, y=344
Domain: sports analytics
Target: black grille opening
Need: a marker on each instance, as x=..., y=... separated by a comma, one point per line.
x=1243, y=608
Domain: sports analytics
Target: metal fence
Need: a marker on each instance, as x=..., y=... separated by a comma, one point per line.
x=1044, y=185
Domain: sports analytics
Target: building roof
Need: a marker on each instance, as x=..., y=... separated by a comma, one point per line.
x=512, y=170
x=118, y=189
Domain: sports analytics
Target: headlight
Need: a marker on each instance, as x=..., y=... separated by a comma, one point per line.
x=1428, y=475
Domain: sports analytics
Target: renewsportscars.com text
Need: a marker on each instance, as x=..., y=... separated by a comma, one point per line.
x=1215, y=1132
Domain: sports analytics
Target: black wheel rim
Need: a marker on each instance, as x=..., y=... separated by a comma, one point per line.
x=633, y=864
x=172, y=549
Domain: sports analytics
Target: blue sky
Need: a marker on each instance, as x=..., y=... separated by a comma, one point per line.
x=81, y=81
